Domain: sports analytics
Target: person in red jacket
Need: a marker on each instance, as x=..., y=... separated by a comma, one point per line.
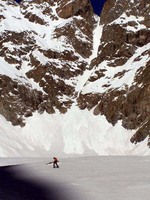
x=55, y=162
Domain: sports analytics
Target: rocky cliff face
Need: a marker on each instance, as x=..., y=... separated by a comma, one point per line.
x=55, y=53
x=124, y=50
x=49, y=44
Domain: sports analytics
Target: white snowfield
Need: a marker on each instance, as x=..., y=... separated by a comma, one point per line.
x=75, y=133
x=90, y=178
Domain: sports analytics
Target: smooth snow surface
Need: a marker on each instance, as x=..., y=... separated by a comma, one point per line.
x=86, y=178
x=75, y=133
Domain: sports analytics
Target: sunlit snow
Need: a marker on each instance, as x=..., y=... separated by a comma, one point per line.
x=130, y=68
x=75, y=133
x=124, y=20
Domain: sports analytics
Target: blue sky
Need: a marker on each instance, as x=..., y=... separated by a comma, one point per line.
x=18, y=0
x=97, y=5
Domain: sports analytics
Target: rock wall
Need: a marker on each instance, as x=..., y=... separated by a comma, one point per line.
x=126, y=30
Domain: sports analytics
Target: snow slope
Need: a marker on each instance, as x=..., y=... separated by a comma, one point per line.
x=130, y=68
x=73, y=133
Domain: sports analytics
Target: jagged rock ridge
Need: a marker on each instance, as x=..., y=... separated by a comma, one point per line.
x=51, y=46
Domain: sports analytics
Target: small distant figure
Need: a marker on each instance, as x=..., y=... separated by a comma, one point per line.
x=55, y=162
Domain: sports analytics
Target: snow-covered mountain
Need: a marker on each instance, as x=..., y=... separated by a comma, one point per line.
x=72, y=82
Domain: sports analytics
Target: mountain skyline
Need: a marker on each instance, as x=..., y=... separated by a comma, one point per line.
x=97, y=5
